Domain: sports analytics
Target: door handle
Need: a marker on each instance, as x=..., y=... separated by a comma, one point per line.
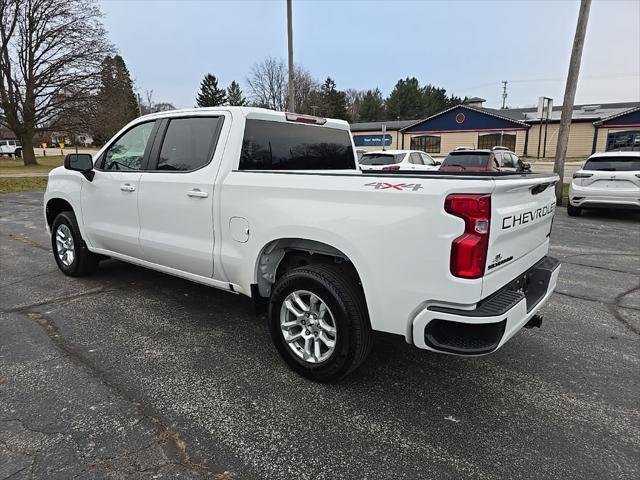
x=196, y=192
x=127, y=187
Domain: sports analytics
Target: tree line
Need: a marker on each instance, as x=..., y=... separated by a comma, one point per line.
x=59, y=73
x=269, y=88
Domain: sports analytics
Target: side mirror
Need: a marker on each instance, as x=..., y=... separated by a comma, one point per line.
x=80, y=162
x=526, y=167
x=438, y=163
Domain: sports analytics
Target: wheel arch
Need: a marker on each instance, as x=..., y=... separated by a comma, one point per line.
x=54, y=207
x=282, y=254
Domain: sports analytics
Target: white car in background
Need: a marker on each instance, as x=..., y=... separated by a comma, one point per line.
x=11, y=148
x=397, y=160
x=607, y=180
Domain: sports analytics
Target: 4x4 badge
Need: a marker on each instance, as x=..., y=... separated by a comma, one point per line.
x=394, y=186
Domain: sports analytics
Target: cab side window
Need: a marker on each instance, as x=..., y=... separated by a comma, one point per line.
x=127, y=152
x=189, y=143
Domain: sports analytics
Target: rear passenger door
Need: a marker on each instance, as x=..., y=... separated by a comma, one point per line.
x=176, y=195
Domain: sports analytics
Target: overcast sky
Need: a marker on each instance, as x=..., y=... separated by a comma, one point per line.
x=465, y=47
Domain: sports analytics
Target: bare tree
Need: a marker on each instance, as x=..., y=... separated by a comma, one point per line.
x=268, y=83
x=50, y=58
x=354, y=100
x=305, y=90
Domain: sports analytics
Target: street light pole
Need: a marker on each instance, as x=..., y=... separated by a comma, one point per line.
x=292, y=96
x=570, y=95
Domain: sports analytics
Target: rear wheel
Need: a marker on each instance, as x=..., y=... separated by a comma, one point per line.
x=319, y=322
x=573, y=211
x=69, y=249
x=19, y=153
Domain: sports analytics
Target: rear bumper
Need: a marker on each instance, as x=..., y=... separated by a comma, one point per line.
x=601, y=198
x=494, y=320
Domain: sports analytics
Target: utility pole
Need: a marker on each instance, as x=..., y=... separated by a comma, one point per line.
x=504, y=94
x=570, y=95
x=292, y=95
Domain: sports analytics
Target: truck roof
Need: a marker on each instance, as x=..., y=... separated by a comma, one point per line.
x=254, y=113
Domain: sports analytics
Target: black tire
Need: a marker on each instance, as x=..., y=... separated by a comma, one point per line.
x=573, y=211
x=346, y=302
x=19, y=153
x=84, y=262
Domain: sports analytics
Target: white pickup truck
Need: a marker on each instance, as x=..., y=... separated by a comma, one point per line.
x=273, y=206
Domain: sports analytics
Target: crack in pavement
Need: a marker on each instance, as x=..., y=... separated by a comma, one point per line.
x=613, y=307
x=49, y=272
x=62, y=299
x=25, y=240
x=171, y=442
x=598, y=267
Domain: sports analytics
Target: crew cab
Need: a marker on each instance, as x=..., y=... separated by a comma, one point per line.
x=272, y=205
x=606, y=180
x=498, y=159
x=397, y=160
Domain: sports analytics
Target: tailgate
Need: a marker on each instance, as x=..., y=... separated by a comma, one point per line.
x=521, y=216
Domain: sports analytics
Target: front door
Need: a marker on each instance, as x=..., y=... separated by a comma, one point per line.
x=110, y=201
x=176, y=195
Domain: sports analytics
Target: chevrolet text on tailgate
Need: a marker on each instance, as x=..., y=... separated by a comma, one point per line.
x=272, y=205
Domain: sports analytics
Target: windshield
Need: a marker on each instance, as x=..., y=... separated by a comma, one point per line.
x=466, y=160
x=613, y=164
x=381, y=159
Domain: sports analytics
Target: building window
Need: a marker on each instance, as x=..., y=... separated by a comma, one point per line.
x=624, y=141
x=490, y=140
x=426, y=143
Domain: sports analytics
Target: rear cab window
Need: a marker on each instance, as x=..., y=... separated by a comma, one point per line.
x=272, y=145
x=613, y=164
x=373, y=159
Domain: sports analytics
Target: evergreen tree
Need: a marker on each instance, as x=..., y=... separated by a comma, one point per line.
x=406, y=100
x=234, y=95
x=334, y=102
x=210, y=94
x=436, y=100
x=116, y=103
x=371, y=107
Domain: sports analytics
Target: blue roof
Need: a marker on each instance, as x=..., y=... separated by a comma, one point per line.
x=630, y=117
x=464, y=118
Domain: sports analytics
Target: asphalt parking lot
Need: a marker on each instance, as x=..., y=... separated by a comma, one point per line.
x=135, y=374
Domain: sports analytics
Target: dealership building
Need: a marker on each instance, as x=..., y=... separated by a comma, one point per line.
x=594, y=128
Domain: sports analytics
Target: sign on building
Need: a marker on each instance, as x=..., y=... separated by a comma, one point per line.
x=372, y=140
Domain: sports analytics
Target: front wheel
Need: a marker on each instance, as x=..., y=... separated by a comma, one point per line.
x=18, y=153
x=319, y=322
x=573, y=211
x=71, y=253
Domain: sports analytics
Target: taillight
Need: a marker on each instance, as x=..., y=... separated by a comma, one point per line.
x=469, y=250
x=582, y=175
x=392, y=167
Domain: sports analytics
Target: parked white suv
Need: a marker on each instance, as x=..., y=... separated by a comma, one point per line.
x=11, y=148
x=607, y=180
x=273, y=206
x=397, y=160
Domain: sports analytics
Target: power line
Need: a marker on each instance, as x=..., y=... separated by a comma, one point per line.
x=550, y=79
